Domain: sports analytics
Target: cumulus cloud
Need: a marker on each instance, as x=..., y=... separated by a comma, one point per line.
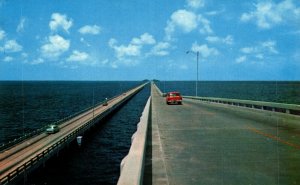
x=241, y=59
x=11, y=46
x=78, y=56
x=21, y=25
x=204, y=50
x=268, y=14
x=160, y=49
x=2, y=34
x=60, y=21
x=214, y=39
x=37, y=61
x=205, y=25
x=258, y=51
x=55, y=46
x=88, y=29
x=263, y=47
x=270, y=46
x=122, y=50
x=24, y=55
x=248, y=50
x=133, y=48
x=146, y=38
x=195, y=3
x=182, y=19
x=8, y=59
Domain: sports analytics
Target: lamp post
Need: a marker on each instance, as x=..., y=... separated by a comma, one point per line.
x=197, y=54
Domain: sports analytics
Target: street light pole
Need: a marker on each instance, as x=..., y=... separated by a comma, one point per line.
x=197, y=73
x=197, y=54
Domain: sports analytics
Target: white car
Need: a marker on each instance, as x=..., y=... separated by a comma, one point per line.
x=51, y=129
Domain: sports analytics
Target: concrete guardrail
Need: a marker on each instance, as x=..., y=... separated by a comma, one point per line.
x=132, y=166
x=267, y=106
x=158, y=90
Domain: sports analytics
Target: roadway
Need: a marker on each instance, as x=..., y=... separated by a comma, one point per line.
x=20, y=154
x=204, y=143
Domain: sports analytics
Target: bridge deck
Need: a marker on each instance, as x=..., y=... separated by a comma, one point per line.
x=201, y=143
x=15, y=160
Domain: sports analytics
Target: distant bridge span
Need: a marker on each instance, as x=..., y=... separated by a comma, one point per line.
x=29, y=154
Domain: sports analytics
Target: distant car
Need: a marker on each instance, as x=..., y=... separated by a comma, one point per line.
x=174, y=98
x=52, y=129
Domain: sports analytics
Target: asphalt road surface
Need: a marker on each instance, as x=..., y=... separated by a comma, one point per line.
x=201, y=143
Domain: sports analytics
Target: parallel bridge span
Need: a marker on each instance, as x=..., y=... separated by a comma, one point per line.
x=31, y=153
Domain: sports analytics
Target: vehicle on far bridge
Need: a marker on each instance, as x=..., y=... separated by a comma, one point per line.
x=52, y=129
x=173, y=98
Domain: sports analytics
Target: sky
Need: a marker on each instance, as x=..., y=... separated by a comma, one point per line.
x=142, y=39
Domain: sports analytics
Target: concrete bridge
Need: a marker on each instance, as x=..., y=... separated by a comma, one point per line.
x=21, y=158
x=214, y=141
x=203, y=141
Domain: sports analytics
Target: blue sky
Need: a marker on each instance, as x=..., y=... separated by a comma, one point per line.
x=142, y=39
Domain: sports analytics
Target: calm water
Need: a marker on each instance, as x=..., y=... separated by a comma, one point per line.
x=98, y=160
x=26, y=106
x=271, y=91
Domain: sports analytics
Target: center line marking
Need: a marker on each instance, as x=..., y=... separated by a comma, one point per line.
x=274, y=137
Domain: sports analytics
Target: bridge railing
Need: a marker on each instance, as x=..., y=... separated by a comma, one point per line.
x=45, y=153
x=132, y=166
x=268, y=106
x=28, y=135
x=49, y=151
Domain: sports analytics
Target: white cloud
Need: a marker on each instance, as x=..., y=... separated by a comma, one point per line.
x=241, y=59
x=130, y=50
x=270, y=46
x=55, y=46
x=11, y=46
x=182, y=19
x=268, y=14
x=21, y=24
x=78, y=56
x=259, y=51
x=8, y=59
x=37, y=61
x=85, y=42
x=133, y=48
x=205, y=25
x=196, y=3
x=160, y=49
x=24, y=55
x=259, y=56
x=114, y=65
x=228, y=40
x=214, y=12
x=204, y=50
x=60, y=21
x=248, y=50
x=87, y=29
x=123, y=51
x=146, y=38
x=2, y=34
x=263, y=47
x=214, y=39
